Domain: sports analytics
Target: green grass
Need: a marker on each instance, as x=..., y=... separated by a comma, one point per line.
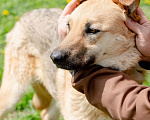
x=146, y=8
x=24, y=110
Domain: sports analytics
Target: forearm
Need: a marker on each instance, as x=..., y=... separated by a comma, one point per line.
x=114, y=92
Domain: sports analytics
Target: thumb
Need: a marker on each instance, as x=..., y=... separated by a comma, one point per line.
x=132, y=25
x=62, y=27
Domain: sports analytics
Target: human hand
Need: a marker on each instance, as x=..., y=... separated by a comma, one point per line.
x=142, y=29
x=63, y=19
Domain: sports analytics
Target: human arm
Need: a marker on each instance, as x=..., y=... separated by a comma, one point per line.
x=113, y=92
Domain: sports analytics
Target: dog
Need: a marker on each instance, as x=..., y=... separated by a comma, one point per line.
x=96, y=35
x=27, y=63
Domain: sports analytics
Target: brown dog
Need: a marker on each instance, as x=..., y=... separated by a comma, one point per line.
x=97, y=35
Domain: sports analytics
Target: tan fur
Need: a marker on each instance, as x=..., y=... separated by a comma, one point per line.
x=27, y=62
x=34, y=37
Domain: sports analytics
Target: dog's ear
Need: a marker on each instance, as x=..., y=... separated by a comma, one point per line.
x=80, y=1
x=130, y=6
x=126, y=2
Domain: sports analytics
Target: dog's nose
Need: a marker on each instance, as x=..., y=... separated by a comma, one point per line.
x=58, y=56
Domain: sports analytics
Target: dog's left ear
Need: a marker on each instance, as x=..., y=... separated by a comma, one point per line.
x=130, y=6
x=80, y=1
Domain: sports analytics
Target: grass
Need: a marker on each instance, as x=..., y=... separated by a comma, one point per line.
x=24, y=110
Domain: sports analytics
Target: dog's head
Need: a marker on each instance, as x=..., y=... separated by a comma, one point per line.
x=97, y=35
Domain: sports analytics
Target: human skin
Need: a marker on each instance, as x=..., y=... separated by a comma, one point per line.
x=142, y=30
x=63, y=19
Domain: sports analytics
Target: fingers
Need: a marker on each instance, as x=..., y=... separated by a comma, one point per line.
x=62, y=28
x=143, y=19
x=135, y=26
x=69, y=8
x=132, y=25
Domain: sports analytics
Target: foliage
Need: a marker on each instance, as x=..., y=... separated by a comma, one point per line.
x=25, y=103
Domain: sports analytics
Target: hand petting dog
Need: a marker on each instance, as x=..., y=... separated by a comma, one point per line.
x=142, y=29
x=63, y=19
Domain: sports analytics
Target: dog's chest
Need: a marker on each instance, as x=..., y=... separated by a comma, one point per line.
x=74, y=105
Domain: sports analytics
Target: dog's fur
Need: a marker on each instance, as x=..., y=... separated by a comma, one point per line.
x=27, y=62
x=34, y=37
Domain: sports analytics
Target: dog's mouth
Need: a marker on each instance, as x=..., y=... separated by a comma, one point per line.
x=64, y=60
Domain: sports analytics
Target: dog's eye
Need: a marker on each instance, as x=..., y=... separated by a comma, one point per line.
x=92, y=31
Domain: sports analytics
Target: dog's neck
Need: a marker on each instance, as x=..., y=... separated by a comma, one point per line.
x=123, y=62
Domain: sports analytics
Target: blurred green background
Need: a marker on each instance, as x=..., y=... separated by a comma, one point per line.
x=10, y=12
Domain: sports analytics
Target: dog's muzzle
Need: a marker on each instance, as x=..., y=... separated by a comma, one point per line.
x=58, y=57
x=63, y=59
